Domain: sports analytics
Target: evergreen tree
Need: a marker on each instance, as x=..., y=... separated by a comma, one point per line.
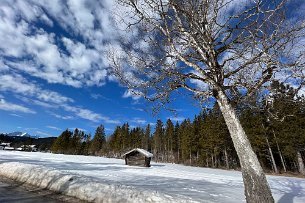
x=186, y=134
x=158, y=141
x=177, y=143
x=125, y=137
x=98, y=140
x=85, y=144
x=61, y=144
x=75, y=142
x=169, y=139
x=146, y=144
x=115, y=142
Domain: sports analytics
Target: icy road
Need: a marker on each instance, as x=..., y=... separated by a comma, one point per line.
x=14, y=192
x=171, y=181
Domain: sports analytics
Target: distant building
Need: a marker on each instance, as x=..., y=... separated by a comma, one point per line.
x=6, y=146
x=9, y=148
x=29, y=148
x=138, y=157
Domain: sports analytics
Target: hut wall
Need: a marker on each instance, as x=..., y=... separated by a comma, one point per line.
x=136, y=160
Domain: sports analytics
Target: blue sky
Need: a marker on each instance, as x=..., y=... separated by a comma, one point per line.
x=54, y=73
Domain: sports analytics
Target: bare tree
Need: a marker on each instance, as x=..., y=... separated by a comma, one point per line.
x=211, y=49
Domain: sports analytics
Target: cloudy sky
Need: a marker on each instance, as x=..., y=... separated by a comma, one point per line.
x=54, y=73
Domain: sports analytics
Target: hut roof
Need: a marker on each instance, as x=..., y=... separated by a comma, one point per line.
x=142, y=151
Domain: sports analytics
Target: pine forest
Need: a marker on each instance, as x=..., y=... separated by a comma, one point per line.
x=275, y=126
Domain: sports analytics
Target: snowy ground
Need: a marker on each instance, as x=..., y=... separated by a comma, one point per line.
x=91, y=176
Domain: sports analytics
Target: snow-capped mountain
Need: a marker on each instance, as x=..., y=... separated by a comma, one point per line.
x=20, y=134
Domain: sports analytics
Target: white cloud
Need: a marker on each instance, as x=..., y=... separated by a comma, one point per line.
x=62, y=117
x=108, y=129
x=49, y=99
x=81, y=129
x=133, y=94
x=16, y=115
x=17, y=84
x=46, y=98
x=46, y=20
x=54, y=128
x=89, y=115
x=38, y=132
x=56, y=59
x=7, y=106
x=110, y=121
x=98, y=96
x=3, y=67
x=30, y=129
x=176, y=119
x=83, y=113
x=139, y=121
x=82, y=14
x=135, y=108
x=200, y=85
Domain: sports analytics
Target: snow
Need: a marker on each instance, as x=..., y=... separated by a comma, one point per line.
x=109, y=180
x=9, y=148
x=142, y=151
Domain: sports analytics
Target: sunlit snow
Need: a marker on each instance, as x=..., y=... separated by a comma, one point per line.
x=161, y=182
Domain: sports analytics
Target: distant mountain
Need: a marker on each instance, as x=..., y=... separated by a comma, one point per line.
x=18, y=138
x=21, y=134
x=18, y=134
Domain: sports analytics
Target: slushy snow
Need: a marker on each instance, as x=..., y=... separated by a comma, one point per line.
x=101, y=179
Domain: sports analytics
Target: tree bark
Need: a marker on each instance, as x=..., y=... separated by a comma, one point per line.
x=257, y=189
x=207, y=159
x=282, y=158
x=178, y=155
x=280, y=153
x=271, y=155
x=226, y=157
x=300, y=163
x=190, y=157
x=212, y=158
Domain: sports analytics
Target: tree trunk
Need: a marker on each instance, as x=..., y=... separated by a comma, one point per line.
x=178, y=155
x=226, y=158
x=300, y=163
x=282, y=159
x=212, y=158
x=207, y=159
x=280, y=153
x=271, y=155
x=190, y=157
x=256, y=186
x=197, y=156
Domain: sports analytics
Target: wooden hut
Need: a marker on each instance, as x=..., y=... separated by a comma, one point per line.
x=138, y=157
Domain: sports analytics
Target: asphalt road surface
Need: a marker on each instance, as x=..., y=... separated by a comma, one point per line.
x=12, y=192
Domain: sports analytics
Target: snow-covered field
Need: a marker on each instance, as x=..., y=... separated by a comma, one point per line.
x=97, y=178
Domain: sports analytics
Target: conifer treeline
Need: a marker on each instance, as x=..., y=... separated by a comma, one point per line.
x=276, y=130
x=77, y=142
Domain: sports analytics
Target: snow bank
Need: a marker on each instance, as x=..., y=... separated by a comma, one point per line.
x=77, y=186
